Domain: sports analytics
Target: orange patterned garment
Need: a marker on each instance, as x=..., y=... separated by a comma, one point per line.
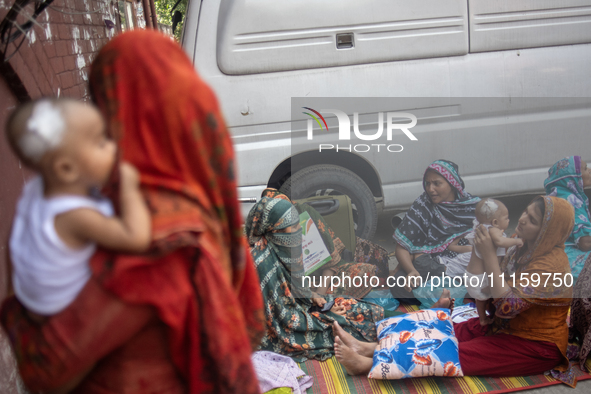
x=537, y=310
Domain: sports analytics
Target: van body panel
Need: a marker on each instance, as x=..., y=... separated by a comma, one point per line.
x=252, y=39
x=524, y=141
x=496, y=25
x=189, y=34
x=511, y=141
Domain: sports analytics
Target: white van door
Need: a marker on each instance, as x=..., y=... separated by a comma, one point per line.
x=259, y=54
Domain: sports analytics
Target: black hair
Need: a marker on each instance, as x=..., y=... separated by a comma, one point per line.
x=540, y=204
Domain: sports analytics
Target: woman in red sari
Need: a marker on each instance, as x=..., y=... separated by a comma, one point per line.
x=184, y=317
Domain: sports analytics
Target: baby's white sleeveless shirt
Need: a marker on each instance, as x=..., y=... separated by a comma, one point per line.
x=47, y=274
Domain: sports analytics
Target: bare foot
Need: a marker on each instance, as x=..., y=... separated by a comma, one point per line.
x=444, y=301
x=486, y=320
x=354, y=363
x=362, y=348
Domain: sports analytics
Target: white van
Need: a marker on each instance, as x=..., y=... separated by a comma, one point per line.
x=502, y=88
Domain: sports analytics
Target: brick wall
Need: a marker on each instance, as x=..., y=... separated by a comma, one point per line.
x=11, y=181
x=60, y=48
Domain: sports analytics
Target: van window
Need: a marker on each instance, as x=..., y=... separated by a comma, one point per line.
x=496, y=25
x=258, y=36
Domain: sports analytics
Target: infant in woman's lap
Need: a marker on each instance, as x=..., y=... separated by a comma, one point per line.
x=494, y=215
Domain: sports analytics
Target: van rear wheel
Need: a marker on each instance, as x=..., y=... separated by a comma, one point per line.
x=326, y=179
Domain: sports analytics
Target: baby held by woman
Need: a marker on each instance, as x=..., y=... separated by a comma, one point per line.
x=493, y=215
x=60, y=217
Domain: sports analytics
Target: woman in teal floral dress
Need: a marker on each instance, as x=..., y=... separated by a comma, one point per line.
x=273, y=232
x=567, y=179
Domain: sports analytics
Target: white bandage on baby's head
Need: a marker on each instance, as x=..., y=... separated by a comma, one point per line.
x=489, y=208
x=44, y=131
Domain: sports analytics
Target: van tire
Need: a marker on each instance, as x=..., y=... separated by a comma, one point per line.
x=330, y=179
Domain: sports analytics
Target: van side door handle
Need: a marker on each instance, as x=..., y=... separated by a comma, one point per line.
x=345, y=41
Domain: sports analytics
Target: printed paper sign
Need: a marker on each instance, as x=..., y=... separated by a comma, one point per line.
x=314, y=251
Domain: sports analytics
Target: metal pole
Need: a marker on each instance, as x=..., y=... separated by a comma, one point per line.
x=146, y=5
x=154, y=16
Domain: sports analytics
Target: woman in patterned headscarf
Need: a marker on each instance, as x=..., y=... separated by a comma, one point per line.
x=567, y=179
x=434, y=226
x=275, y=236
x=185, y=316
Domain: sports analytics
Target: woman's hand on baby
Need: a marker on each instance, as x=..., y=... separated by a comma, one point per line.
x=318, y=301
x=483, y=241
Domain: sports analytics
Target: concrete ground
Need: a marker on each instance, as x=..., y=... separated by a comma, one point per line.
x=516, y=205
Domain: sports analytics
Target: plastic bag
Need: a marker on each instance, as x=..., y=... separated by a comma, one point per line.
x=382, y=298
x=464, y=313
x=428, y=297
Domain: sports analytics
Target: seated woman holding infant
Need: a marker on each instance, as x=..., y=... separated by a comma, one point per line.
x=430, y=238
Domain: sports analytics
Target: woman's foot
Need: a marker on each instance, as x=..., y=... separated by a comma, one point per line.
x=362, y=348
x=486, y=320
x=354, y=363
x=445, y=301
